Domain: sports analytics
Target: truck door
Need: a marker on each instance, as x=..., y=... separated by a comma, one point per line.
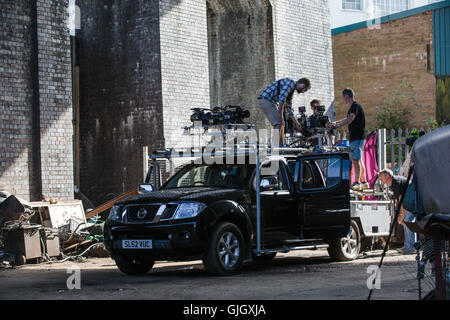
x=279, y=212
x=324, y=196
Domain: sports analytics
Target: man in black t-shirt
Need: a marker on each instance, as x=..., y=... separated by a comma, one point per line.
x=356, y=124
x=397, y=183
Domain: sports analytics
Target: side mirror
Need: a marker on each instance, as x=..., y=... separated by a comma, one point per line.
x=269, y=183
x=265, y=183
x=145, y=188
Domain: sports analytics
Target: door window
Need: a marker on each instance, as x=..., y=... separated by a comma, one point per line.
x=320, y=173
x=273, y=177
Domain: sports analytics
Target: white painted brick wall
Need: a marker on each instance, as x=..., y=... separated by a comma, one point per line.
x=303, y=47
x=55, y=99
x=184, y=65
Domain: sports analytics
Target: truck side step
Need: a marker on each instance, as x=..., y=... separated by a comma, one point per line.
x=287, y=249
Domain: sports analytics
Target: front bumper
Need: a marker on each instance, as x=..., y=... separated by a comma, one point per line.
x=170, y=241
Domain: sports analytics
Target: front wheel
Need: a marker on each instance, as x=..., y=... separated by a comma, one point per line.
x=133, y=265
x=226, y=250
x=346, y=248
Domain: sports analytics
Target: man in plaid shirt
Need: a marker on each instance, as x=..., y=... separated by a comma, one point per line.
x=278, y=93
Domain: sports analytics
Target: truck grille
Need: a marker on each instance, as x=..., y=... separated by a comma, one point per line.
x=142, y=213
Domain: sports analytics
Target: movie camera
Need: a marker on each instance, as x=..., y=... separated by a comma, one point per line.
x=222, y=115
x=315, y=123
x=413, y=136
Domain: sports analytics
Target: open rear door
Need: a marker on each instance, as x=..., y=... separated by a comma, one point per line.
x=324, y=197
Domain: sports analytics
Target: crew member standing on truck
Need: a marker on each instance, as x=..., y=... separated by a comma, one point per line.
x=276, y=98
x=356, y=125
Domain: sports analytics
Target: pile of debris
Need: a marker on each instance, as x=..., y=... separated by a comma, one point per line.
x=47, y=231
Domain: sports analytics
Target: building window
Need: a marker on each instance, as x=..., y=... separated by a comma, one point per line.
x=387, y=7
x=351, y=4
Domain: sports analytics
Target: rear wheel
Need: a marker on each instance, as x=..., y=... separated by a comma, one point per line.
x=226, y=250
x=133, y=265
x=346, y=248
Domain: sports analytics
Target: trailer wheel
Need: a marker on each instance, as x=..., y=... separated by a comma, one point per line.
x=133, y=265
x=226, y=250
x=20, y=260
x=346, y=248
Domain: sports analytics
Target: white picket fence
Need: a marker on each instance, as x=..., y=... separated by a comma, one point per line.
x=391, y=147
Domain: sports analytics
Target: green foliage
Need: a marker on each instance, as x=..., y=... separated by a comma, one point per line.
x=443, y=100
x=433, y=124
x=396, y=111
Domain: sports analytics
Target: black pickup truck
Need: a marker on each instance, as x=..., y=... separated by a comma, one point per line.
x=208, y=212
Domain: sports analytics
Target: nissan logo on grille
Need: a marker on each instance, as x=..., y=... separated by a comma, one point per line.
x=141, y=213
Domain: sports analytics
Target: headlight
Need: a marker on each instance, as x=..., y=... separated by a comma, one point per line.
x=188, y=210
x=115, y=213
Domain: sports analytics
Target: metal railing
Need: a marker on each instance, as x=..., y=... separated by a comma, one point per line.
x=391, y=147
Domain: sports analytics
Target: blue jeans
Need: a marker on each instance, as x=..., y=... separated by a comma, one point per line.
x=410, y=237
x=356, y=149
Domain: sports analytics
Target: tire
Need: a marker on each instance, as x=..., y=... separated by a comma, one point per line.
x=265, y=258
x=226, y=250
x=346, y=248
x=20, y=260
x=133, y=265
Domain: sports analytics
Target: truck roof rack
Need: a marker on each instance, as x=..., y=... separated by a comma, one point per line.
x=219, y=129
x=238, y=149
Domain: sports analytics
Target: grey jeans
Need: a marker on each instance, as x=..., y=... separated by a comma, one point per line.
x=272, y=113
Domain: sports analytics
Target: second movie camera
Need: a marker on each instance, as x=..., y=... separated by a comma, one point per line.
x=315, y=123
x=220, y=115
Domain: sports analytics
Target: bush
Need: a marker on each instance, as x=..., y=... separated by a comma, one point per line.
x=396, y=113
x=433, y=124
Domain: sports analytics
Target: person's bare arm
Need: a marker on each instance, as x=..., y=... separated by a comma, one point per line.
x=297, y=125
x=281, y=109
x=335, y=123
x=401, y=216
x=345, y=121
x=281, y=142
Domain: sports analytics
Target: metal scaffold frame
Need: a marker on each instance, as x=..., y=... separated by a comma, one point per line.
x=244, y=149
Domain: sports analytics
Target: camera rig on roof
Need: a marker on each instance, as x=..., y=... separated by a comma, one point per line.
x=222, y=115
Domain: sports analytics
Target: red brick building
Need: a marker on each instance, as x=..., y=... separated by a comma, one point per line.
x=374, y=57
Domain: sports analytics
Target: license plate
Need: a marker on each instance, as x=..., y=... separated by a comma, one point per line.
x=136, y=244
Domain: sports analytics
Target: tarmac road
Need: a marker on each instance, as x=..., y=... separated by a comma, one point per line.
x=296, y=275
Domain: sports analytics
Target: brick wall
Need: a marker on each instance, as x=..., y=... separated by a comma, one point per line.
x=184, y=65
x=15, y=97
x=374, y=61
x=35, y=83
x=120, y=93
x=144, y=64
x=303, y=47
x=241, y=53
x=55, y=99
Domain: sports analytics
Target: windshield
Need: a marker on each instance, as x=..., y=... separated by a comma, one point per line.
x=212, y=175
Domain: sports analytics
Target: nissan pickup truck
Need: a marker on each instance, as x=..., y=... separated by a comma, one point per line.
x=208, y=212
